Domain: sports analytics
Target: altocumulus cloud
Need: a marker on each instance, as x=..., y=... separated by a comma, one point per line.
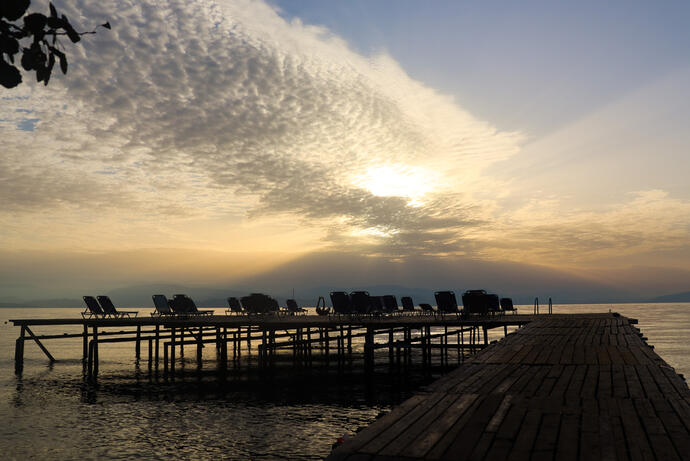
x=228, y=108
x=215, y=109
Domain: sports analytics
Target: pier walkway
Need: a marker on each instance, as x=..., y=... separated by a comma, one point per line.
x=563, y=387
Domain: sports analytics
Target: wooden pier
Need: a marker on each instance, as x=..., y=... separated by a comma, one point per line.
x=303, y=336
x=563, y=387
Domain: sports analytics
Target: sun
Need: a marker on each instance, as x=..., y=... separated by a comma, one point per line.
x=397, y=181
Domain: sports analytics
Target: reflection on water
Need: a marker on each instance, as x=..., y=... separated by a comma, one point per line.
x=57, y=415
x=287, y=412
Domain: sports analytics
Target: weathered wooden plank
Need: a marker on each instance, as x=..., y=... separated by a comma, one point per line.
x=660, y=442
x=527, y=435
x=392, y=431
x=451, y=435
x=676, y=430
x=463, y=446
x=378, y=426
x=563, y=382
x=413, y=431
x=420, y=446
x=635, y=436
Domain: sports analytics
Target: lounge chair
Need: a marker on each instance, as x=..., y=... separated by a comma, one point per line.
x=93, y=309
x=361, y=302
x=493, y=304
x=259, y=303
x=475, y=302
x=292, y=307
x=507, y=305
x=407, y=304
x=426, y=308
x=162, y=306
x=446, y=303
x=110, y=311
x=376, y=305
x=234, y=306
x=184, y=305
x=390, y=304
x=342, y=304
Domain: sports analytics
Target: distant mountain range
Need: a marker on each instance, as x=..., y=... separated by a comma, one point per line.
x=318, y=274
x=683, y=297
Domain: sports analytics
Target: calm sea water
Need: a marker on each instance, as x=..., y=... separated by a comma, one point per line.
x=293, y=413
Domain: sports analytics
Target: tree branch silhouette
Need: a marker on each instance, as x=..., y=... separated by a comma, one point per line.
x=42, y=35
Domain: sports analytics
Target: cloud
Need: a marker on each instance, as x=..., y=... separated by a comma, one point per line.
x=198, y=107
x=195, y=111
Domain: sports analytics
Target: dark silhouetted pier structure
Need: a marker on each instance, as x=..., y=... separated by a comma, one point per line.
x=334, y=338
x=556, y=387
x=563, y=387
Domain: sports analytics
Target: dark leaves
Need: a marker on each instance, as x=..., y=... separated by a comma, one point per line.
x=8, y=45
x=9, y=75
x=27, y=60
x=35, y=22
x=13, y=9
x=71, y=33
x=33, y=58
x=45, y=47
x=63, y=59
x=54, y=23
x=49, y=68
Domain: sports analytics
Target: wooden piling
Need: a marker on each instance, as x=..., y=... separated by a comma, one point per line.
x=137, y=347
x=19, y=352
x=85, y=344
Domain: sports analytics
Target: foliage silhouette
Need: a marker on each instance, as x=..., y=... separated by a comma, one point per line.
x=40, y=33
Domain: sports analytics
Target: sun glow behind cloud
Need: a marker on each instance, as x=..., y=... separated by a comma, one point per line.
x=398, y=181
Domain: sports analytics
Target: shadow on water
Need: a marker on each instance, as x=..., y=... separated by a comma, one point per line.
x=280, y=383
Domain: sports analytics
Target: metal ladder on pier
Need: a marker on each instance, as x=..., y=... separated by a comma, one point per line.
x=536, y=306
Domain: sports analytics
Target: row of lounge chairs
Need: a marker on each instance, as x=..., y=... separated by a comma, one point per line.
x=183, y=306
x=355, y=303
x=474, y=302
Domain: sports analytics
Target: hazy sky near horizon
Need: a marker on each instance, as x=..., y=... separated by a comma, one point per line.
x=201, y=140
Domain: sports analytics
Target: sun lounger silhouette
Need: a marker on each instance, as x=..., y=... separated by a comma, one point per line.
x=184, y=305
x=426, y=308
x=341, y=302
x=293, y=308
x=375, y=304
x=475, y=302
x=507, y=305
x=407, y=304
x=446, y=303
x=390, y=304
x=162, y=306
x=361, y=302
x=234, y=306
x=93, y=309
x=259, y=303
x=109, y=308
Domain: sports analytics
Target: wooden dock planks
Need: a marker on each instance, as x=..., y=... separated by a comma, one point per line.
x=563, y=387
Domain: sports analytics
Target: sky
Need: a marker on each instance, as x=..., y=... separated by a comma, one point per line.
x=342, y=144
